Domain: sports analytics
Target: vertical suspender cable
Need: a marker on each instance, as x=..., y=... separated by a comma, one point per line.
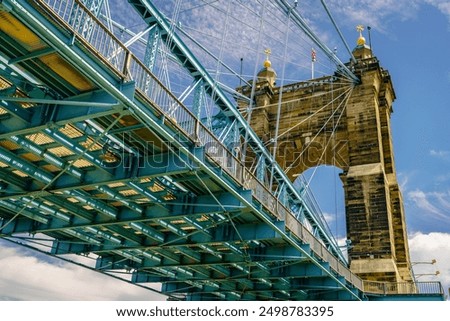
x=222, y=41
x=255, y=78
x=299, y=21
x=280, y=97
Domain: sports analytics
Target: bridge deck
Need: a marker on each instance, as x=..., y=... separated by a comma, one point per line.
x=98, y=158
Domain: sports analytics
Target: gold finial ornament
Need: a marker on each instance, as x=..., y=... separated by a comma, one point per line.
x=361, y=40
x=267, y=62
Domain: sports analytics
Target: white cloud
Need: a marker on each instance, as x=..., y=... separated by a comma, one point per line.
x=426, y=247
x=403, y=180
x=444, y=154
x=442, y=5
x=375, y=13
x=431, y=203
x=26, y=277
x=443, y=199
x=378, y=13
x=329, y=217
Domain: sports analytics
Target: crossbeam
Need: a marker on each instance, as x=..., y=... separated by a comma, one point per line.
x=148, y=230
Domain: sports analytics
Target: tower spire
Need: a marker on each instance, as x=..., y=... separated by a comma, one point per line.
x=267, y=73
x=361, y=40
x=267, y=62
x=362, y=50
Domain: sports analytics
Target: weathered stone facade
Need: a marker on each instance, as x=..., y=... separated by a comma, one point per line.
x=331, y=121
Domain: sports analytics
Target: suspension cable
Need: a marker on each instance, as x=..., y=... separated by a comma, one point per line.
x=338, y=30
x=280, y=98
x=298, y=20
x=252, y=94
x=344, y=104
x=315, y=113
x=347, y=93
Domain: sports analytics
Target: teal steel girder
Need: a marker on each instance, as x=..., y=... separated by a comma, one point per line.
x=201, y=205
x=272, y=255
x=316, y=284
x=148, y=166
x=111, y=84
x=150, y=13
x=15, y=109
x=152, y=47
x=34, y=66
x=69, y=109
x=285, y=290
x=225, y=232
x=15, y=126
x=32, y=55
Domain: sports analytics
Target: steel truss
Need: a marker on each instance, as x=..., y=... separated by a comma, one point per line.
x=99, y=158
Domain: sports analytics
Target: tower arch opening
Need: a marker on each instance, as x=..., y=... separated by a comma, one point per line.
x=328, y=190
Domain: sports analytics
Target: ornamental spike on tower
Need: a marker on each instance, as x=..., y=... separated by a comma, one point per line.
x=361, y=40
x=267, y=73
x=362, y=50
x=267, y=62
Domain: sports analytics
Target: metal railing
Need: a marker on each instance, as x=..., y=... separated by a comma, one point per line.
x=110, y=50
x=405, y=288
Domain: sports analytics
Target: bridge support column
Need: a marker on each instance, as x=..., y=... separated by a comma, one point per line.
x=369, y=223
x=374, y=211
x=358, y=140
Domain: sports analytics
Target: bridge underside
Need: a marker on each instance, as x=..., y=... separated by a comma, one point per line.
x=91, y=165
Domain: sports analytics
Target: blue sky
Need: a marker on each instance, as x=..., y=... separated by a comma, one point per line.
x=411, y=40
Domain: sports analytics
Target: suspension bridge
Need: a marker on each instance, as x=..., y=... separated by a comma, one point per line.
x=146, y=152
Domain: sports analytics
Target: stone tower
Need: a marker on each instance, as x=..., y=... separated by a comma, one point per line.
x=330, y=121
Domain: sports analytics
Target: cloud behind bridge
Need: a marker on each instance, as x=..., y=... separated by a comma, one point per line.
x=28, y=276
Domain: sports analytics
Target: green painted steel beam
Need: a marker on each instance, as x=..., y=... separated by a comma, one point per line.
x=66, y=247
x=222, y=267
x=31, y=55
x=148, y=10
x=214, y=297
x=336, y=295
x=222, y=233
x=82, y=218
x=110, y=262
x=61, y=104
x=14, y=127
x=272, y=277
x=298, y=270
x=149, y=166
x=37, y=70
x=15, y=183
x=130, y=236
x=15, y=109
x=25, y=222
x=11, y=159
x=206, y=284
x=227, y=287
x=233, y=288
x=18, y=80
x=116, y=262
x=78, y=212
x=73, y=57
x=168, y=255
x=278, y=290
